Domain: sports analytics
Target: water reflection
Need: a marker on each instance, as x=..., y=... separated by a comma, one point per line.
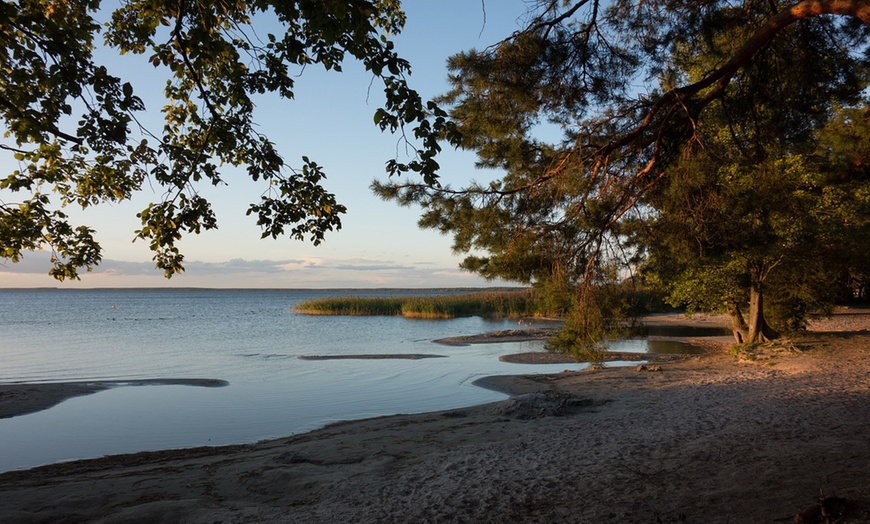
x=659, y=347
x=685, y=331
x=672, y=347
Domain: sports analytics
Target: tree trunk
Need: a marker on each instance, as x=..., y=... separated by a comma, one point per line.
x=738, y=326
x=759, y=331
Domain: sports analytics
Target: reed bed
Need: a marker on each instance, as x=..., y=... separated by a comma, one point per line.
x=485, y=304
x=383, y=306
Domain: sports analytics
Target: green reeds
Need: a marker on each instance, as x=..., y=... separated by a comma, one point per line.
x=385, y=306
x=485, y=304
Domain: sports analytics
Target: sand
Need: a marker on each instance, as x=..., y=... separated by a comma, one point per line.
x=713, y=438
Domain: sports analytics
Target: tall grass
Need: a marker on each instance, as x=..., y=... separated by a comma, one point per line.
x=386, y=306
x=526, y=303
x=485, y=304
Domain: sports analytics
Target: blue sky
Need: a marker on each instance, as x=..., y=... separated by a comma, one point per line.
x=330, y=121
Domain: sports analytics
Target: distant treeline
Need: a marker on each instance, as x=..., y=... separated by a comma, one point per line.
x=485, y=304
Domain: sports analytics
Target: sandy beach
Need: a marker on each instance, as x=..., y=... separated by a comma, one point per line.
x=713, y=438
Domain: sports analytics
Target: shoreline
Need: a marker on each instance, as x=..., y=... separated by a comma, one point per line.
x=708, y=438
x=17, y=399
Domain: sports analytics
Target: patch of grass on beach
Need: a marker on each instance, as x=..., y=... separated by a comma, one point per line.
x=485, y=304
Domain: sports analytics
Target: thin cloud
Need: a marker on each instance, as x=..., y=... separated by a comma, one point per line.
x=382, y=267
x=240, y=265
x=239, y=272
x=39, y=262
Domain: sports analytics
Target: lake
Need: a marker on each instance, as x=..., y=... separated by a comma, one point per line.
x=250, y=338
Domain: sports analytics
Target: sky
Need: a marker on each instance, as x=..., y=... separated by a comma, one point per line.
x=330, y=121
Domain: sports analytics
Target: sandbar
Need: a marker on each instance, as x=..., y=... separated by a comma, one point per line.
x=379, y=356
x=540, y=357
x=505, y=335
x=21, y=399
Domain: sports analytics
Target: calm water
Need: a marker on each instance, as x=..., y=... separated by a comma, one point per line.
x=250, y=338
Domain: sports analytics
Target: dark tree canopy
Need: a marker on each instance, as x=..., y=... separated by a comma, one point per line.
x=655, y=99
x=73, y=128
x=755, y=208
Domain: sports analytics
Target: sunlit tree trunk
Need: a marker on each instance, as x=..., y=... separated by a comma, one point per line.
x=758, y=331
x=738, y=325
